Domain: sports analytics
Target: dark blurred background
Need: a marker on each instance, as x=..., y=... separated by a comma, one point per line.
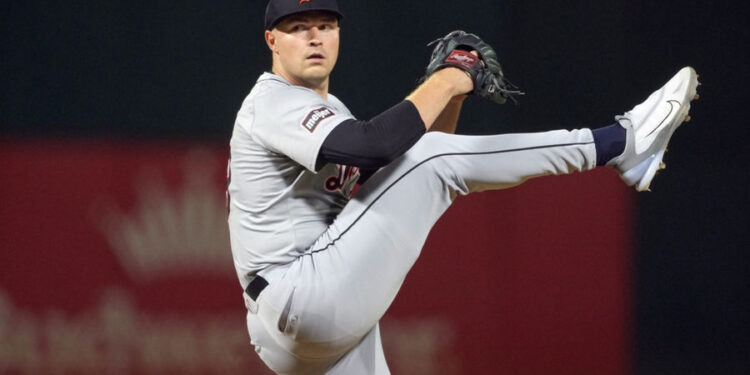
x=165, y=70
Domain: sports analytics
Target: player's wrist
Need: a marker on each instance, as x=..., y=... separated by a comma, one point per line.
x=459, y=81
x=458, y=99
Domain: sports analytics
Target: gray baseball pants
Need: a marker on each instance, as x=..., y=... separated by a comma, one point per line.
x=320, y=313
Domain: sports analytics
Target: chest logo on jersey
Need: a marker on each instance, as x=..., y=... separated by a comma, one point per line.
x=344, y=181
x=314, y=118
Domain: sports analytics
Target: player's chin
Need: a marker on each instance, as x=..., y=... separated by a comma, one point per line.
x=317, y=72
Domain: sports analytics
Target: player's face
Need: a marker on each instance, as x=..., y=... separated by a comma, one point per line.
x=305, y=48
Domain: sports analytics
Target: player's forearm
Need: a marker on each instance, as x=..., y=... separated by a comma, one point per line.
x=448, y=119
x=374, y=143
x=432, y=97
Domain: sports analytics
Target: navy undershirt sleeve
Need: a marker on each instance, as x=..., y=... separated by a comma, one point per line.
x=375, y=143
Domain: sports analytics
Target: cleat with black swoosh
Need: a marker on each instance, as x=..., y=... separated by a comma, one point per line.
x=650, y=125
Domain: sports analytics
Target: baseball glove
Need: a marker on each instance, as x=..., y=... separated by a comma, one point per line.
x=455, y=49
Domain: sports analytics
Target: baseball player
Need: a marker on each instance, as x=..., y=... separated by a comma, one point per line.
x=319, y=263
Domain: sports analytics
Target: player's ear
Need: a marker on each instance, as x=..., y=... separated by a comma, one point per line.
x=271, y=40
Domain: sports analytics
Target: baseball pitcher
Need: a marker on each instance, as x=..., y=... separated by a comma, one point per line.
x=327, y=213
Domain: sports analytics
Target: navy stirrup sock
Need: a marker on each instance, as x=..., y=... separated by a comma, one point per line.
x=609, y=142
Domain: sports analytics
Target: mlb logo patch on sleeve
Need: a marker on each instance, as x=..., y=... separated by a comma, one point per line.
x=315, y=116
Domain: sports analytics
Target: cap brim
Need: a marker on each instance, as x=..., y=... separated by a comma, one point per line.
x=338, y=14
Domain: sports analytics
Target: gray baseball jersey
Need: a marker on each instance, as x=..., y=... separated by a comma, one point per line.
x=334, y=264
x=279, y=203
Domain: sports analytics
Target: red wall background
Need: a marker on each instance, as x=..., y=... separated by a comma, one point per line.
x=114, y=259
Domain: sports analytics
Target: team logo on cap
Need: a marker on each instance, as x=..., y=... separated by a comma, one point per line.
x=303, y=1
x=314, y=118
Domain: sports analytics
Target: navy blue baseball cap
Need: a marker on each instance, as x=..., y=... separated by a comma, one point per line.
x=278, y=9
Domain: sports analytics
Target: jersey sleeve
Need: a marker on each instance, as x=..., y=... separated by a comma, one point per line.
x=295, y=121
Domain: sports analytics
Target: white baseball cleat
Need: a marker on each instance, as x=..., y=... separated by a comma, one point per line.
x=650, y=126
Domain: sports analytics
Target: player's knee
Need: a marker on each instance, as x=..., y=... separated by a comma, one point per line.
x=431, y=145
x=432, y=156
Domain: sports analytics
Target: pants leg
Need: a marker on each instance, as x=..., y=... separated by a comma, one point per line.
x=365, y=358
x=347, y=280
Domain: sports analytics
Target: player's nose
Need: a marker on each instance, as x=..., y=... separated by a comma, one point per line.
x=314, y=36
x=315, y=42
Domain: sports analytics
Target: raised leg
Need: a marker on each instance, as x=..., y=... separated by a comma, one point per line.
x=348, y=278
